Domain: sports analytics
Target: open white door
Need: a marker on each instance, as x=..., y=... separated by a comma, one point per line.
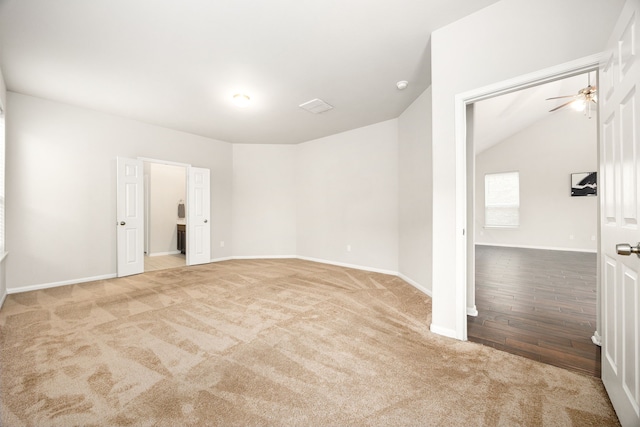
x=619, y=98
x=198, y=224
x=130, y=217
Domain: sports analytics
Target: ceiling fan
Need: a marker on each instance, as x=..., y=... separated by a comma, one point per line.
x=581, y=101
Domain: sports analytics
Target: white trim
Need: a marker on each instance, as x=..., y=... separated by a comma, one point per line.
x=443, y=331
x=4, y=295
x=596, y=339
x=472, y=311
x=163, y=162
x=544, y=248
x=558, y=72
x=415, y=284
x=62, y=283
x=412, y=282
x=460, y=238
x=265, y=257
x=461, y=101
x=163, y=253
x=343, y=264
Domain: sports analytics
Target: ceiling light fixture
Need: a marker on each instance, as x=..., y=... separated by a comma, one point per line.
x=582, y=101
x=402, y=84
x=241, y=100
x=579, y=104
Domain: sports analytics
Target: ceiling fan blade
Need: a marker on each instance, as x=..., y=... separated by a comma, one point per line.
x=559, y=97
x=559, y=107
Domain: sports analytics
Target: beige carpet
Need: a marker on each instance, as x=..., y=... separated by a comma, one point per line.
x=265, y=343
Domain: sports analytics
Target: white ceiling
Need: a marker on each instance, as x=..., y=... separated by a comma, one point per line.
x=496, y=119
x=178, y=63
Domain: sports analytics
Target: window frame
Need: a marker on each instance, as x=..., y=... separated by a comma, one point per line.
x=511, y=206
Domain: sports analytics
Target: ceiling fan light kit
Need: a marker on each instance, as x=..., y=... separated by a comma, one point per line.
x=581, y=101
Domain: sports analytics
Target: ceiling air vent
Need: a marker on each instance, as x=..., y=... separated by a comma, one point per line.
x=316, y=106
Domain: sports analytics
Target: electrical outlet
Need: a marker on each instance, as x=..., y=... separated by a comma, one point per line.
x=348, y=248
x=571, y=236
x=222, y=243
x=593, y=237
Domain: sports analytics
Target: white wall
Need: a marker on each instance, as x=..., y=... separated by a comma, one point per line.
x=309, y=200
x=505, y=40
x=3, y=280
x=545, y=155
x=347, y=193
x=414, y=192
x=167, y=186
x=61, y=187
x=264, y=200
x=3, y=91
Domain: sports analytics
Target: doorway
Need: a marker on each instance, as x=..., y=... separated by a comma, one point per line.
x=130, y=215
x=165, y=216
x=532, y=246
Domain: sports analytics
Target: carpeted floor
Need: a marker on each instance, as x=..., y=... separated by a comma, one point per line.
x=265, y=343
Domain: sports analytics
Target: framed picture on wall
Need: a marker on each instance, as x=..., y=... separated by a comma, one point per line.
x=584, y=184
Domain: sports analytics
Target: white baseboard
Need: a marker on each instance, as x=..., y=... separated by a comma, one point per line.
x=355, y=266
x=164, y=253
x=415, y=284
x=472, y=311
x=545, y=248
x=265, y=257
x=56, y=284
x=412, y=282
x=4, y=297
x=450, y=333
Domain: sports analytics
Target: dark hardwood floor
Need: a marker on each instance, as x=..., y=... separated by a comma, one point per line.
x=538, y=304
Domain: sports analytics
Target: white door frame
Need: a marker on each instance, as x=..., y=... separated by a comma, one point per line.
x=147, y=218
x=463, y=212
x=188, y=168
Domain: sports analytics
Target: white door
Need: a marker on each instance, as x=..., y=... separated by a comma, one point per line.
x=619, y=98
x=198, y=218
x=130, y=217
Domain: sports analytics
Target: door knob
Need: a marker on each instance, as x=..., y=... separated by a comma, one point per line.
x=123, y=223
x=205, y=221
x=627, y=249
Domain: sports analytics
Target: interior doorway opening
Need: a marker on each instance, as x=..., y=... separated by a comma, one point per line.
x=532, y=264
x=130, y=214
x=165, y=194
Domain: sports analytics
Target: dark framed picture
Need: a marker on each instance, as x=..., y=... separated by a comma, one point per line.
x=584, y=184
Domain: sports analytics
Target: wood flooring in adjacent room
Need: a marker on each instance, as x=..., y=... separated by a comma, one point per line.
x=539, y=304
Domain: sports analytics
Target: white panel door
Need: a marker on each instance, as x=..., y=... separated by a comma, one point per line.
x=130, y=217
x=198, y=218
x=619, y=98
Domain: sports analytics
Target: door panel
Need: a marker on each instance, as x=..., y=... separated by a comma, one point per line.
x=620, y=204
x=130, y=222
x=198, y=223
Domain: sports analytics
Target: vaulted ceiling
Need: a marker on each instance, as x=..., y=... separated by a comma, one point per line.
x=178, y=64
x=499, y=118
